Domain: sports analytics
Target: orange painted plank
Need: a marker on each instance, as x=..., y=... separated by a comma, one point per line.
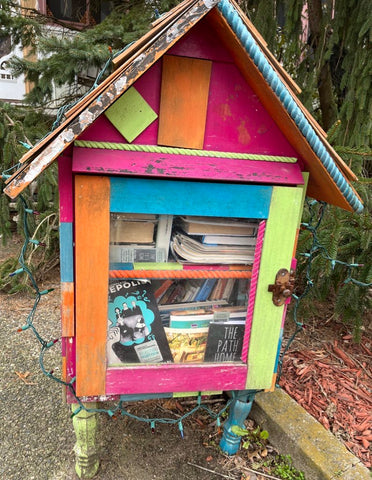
x=67, y=309
x=92, y=228
x=183, y=101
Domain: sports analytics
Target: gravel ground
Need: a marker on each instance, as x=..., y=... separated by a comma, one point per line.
x=36, y=433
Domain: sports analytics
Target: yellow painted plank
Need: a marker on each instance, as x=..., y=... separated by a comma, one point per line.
x=92, y=228
x=183, y=101
x=280, y=235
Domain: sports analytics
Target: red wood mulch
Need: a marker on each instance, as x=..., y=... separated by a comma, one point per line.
x=332, y=380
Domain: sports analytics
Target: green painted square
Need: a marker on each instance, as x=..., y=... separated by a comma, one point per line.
x=131, y=114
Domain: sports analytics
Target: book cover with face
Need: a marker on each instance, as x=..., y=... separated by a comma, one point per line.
x=135, y=330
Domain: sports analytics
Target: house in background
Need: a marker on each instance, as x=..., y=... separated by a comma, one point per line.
x=78, y=13
x=12, y=89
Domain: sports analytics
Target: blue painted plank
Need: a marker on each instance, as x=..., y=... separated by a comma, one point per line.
x=144, y=396
x=177, y=197
x=66, y=252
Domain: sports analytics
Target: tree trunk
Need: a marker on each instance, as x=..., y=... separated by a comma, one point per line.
x=318, y=43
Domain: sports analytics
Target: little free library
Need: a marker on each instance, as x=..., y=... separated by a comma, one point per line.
x=182, y=178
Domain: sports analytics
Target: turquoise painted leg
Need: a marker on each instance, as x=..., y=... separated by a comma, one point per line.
x=239, y=411
x=85, y=426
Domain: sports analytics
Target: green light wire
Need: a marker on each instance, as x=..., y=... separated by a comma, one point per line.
x=316, y=247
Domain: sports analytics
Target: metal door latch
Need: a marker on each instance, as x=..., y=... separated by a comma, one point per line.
x=283, y=286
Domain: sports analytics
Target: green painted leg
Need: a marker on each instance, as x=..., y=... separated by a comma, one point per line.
x=85, y=426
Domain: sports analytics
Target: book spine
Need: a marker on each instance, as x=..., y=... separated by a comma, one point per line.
x=164, y=231
x=216, y=267
x=205, y=290
x=162, y=289
x=136, y=254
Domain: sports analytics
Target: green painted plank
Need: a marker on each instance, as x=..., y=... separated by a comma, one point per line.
x=305, y=176
x=277, y=251
x=131, y=114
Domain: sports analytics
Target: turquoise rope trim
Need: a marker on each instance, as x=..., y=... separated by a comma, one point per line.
x=130, y=147
x=248, y=42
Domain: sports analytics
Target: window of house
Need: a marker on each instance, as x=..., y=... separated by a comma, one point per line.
x=87, y=12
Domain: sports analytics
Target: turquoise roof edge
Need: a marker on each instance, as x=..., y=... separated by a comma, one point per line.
x=247, y=40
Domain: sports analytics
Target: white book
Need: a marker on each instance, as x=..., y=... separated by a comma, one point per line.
x=163, y=233
x=229, y=240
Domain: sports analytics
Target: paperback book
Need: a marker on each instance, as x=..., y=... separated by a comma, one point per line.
x=217, y=226
x=225, y=341
x=187, y=249
x=187, y=345
x=135, y=330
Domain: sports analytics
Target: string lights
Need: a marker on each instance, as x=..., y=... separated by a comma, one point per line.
x=316, y=249
x=119, y=408
x=48, y=344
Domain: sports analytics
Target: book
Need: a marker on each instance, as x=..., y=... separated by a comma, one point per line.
x=224, y=341
x=135, y=330
x=199, y=318
x=175, y=293
x=192, y=287
x=228, y=290
x=205, y=290
x=190, y=322
x=217, y=225
x=160, y=291
x=163, y=233
x=187, y=249
x=217, y=291
x=234, y=311
x=229, y=240
x=166, y=307
x=132, y=228
x=133, y=253
x=242, y=291
x=187, y=345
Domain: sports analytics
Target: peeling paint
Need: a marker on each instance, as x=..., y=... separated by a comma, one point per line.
x=210, y=3
x=150, y=169
x=106, y=98
x=140, y=58
x=172, y=34
x=85, y=118
x=69, y=136
x=244, y=137
x=225, y=111
x=120, y=84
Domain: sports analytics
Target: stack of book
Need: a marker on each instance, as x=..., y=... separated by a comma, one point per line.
x=196, y=293
x=199, y=316
x=136, y=237
x=214, y=335
x=212, y=240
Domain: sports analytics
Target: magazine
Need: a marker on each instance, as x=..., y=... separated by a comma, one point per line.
x=135, y=330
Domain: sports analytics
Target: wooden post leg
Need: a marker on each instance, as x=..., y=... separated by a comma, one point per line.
x=239, y=411
x=85, y=426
